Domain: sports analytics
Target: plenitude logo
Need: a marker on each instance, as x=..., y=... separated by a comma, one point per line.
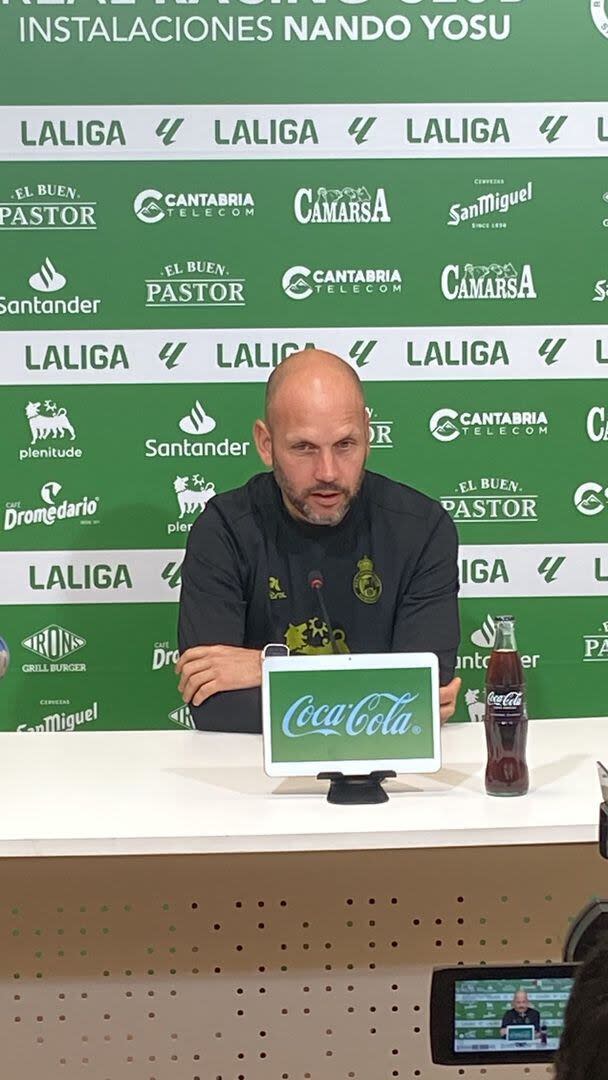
x=195, y=283
x=49, y=421
x=196, y=423
x=192, y=493
x=446, y=425
x=301, y=282
x=47, y=207
x=48, y=279
x=340, y=206
x=490, y=499
x=152, y=206
x=494, y=281
x=51, y=511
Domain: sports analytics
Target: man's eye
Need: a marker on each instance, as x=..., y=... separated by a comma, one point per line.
x=344, y=444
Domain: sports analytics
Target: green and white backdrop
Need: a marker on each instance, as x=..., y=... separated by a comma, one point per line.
x=190, y=191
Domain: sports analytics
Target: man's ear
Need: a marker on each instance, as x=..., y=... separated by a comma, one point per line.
x=263, y=442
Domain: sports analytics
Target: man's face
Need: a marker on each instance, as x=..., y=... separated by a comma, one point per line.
x=318, y=458
x=520, y=1002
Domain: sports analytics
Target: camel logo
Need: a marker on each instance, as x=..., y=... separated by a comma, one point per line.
x=53, y=642
x=484, y=636
x=337, y=206
x=599, y=16
x=590, y=499
x=52, y=421
x=197, y=421
x=47, y=279
x=192, y=493
x=475, y=707
x=182, y=718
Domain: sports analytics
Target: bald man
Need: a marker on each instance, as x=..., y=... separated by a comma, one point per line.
x=387, y=552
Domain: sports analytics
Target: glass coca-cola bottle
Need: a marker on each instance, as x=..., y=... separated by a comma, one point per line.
x=506, y=717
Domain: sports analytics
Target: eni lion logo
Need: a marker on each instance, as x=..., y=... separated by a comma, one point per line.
x=367, y=586
x=47, y=420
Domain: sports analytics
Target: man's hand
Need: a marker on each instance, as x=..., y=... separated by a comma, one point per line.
x=207, y=669
x=448, y=696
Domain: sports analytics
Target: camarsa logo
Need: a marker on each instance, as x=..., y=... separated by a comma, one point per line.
x=340, y=206
x=494, y=281
x=152, y=206
x=446, y=425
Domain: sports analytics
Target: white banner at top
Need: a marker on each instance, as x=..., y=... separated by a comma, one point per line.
x=231, y=132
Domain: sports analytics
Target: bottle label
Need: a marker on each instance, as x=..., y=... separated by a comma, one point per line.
x=513, y=699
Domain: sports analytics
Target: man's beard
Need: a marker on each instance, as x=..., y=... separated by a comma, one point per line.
x=299, y=500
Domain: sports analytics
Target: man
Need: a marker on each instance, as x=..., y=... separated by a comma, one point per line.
x=520, y=1013
x=387, y=553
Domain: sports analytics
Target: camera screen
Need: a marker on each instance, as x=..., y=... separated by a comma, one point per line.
x=506, y=1015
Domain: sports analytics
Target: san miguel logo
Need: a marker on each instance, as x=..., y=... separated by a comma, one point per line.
x=48, y=207
x=195, y=283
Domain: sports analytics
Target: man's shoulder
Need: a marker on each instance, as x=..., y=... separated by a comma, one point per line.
x=401, y=500
x=239, y=507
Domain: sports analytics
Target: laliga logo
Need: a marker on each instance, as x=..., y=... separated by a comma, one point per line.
x=296, y=284
x=441, y=426
x=147, y=206
x=598, y=14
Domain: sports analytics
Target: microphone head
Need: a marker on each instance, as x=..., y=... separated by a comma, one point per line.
x=315, y=579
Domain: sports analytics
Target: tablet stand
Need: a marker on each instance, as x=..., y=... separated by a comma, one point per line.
x=353, y=790
x=604, y=829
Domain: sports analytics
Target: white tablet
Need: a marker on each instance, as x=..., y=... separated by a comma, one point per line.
x=353, y=713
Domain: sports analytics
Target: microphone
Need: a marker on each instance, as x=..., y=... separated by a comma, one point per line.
x=317, y=583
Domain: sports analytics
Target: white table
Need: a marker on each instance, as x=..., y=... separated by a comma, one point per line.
x=174, y=792
x=172, y=913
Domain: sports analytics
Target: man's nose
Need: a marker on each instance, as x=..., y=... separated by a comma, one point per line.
x=325, y=466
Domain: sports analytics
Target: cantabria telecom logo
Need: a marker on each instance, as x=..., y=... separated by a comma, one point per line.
x=48, y=279
x=495, y=281
x=51, y=511
x=493, y=205
x=47, y=208
x=49, y=421
x=52, y=645
x=446, y=425
x=197, y=423
x=152, y=206
x=195, y=283
x=591, y=499
x=192, y=494
x=490, y=499
x=340, y=206
x=300, y=282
